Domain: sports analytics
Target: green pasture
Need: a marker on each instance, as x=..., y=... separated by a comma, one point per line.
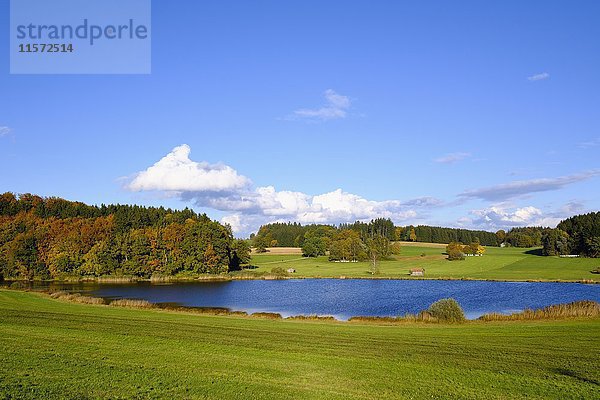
x=497, y=263
x=52, y=349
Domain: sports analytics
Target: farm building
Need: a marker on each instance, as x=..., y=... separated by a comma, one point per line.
x=291, y=270
x=417, y=272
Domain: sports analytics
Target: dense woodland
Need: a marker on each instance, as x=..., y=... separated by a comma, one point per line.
x=51, y=237
x=576, y=235
x=294, y=234
x=579, y=235
x=55, y=238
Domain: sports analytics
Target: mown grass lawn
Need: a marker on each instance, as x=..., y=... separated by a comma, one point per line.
x=53, y=349
x=497, y=263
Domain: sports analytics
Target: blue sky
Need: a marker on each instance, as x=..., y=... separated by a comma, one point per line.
x=475, y=114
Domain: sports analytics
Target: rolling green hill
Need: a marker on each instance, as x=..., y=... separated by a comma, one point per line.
x=498, y=263
x=52, y=349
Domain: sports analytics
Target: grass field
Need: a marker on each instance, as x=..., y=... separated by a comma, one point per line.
x=54, y=349
x=498, y=263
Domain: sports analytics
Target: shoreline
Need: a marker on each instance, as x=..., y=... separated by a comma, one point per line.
x=135, y=304
x=229, y=278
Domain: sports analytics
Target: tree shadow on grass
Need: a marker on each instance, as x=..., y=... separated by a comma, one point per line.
x=535, y=252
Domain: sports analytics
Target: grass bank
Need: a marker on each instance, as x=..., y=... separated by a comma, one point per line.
x=55, y=349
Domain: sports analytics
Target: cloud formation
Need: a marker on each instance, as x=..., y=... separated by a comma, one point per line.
x=539, y=77
x=502, y=216
x=335, y=108
x=220, y=187
x=498, y=217
x=520, y=188
x=177, y=173
x=4, y=130
x=452, y=158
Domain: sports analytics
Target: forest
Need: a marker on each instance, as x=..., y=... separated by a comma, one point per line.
x=53, y=238
x=579, y=235
x=44, y=238
x=293, y=234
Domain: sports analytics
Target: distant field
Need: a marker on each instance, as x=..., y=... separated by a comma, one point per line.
x=497, y=263
x=423, y=244
x=282, y=250
x=52, y=349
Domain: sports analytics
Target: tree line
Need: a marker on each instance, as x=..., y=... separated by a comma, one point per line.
x=293, y=234
x=576, y=235
x=47, y=238
x=579, y=235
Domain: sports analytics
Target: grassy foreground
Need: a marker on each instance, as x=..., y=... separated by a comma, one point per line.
x=53, y=349
x=497, y=264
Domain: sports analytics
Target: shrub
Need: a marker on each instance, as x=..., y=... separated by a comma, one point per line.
x=278, y=271
x=267, y=315
x=88, y=300
x=131, y=303
x=455, y=251
x=455, y=254
x=59, y=294
x=313, y=317
x=447, y=310
x=423, y=316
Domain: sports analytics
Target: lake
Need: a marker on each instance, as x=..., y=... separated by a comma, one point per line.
x=349, y=297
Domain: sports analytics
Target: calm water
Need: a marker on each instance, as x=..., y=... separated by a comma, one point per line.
x=345, y=298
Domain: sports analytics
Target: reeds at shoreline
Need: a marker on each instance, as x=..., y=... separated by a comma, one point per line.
x=576, y=309
x=77, y=298
x=132, y=303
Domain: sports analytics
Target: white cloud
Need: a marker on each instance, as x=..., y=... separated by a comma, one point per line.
x=4, y=130
x=222, y=188
x=336, y=107
x=539, y=77
x=265, y=204
x=506, y=216
x=235, y=221
x=177, y=173
x=497, y=217
x=590, y=143
x=452, y=158
x=519, y=188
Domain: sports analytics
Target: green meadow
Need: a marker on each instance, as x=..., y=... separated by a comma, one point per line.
x=55, y=349
x=497, y=264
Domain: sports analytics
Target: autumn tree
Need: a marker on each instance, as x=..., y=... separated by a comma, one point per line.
x=501, y=236
x=211, y=259
x=455, y=251
x=413, y=235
